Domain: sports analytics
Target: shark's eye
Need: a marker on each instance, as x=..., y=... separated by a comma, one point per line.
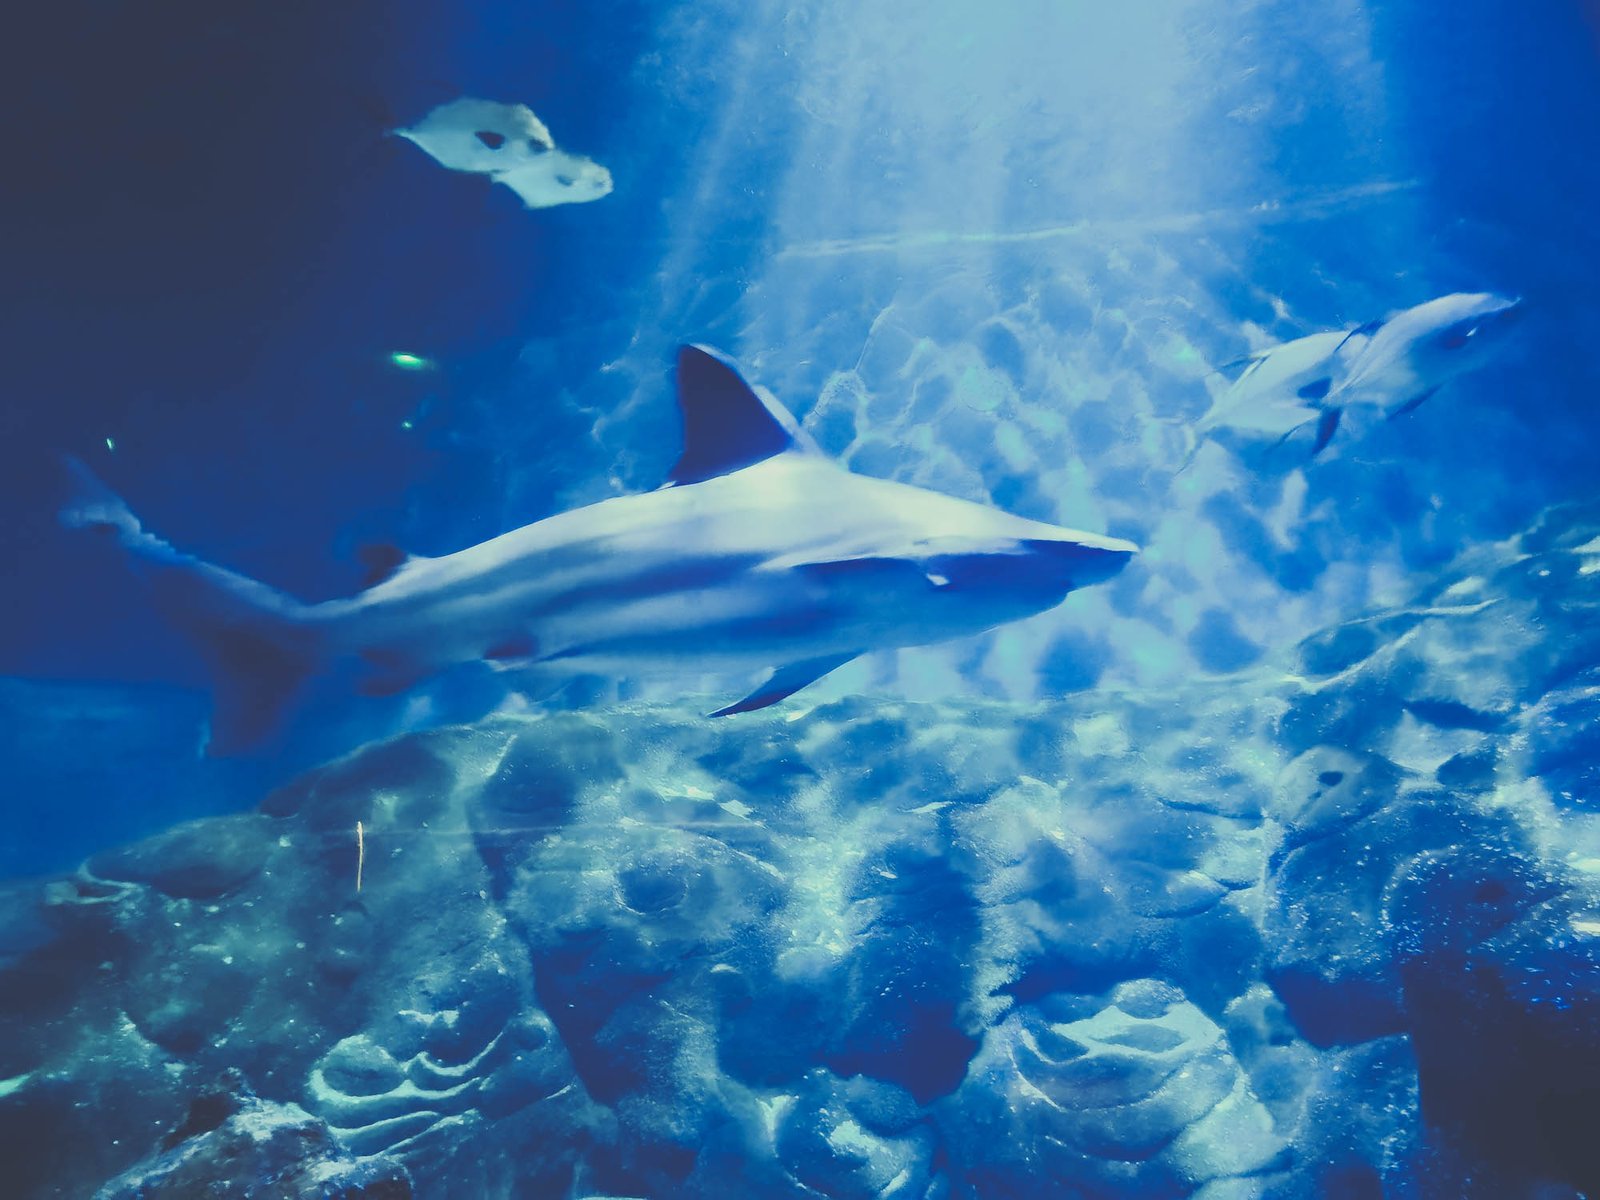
x=566, y=180
x=490, y=138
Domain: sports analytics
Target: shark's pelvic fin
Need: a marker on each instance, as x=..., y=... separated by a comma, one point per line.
x=727, y=424
x=786, y=681
x=1412, y=404
x=1327, y=426
x=258, y=668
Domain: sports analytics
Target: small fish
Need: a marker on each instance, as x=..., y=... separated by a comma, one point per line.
x=510, y=145
x=406, y=361
x=1279, y=389
x=1391, y=366
x=758, y=553
x=1418, y=351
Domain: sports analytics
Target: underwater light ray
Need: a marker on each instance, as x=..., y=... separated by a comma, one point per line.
x=1309, y=208
x=464, y=833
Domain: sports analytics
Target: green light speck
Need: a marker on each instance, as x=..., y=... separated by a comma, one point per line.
x=409, y=362
x=110, y=444
x=406, y=425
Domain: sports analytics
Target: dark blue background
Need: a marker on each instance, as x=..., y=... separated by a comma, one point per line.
x=210, y=247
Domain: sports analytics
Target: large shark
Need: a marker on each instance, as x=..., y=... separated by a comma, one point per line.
x=758, y=553
x=1388, y=367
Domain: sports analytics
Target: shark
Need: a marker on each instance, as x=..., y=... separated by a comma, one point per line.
x=1409, y=356
x=510, y=145
x=758, y=554
x=1389, y=366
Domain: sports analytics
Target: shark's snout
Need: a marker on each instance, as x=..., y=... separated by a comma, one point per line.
x=1491, y=308
x=1085, y=558
x=1512, y=308
x=1485, y=319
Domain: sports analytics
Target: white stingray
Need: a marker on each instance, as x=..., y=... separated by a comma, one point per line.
x=510, y=145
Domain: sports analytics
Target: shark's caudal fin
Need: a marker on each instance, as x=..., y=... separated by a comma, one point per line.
x=1192, y=442
x=92, y=505
x=1192, y=439
x=255, y=640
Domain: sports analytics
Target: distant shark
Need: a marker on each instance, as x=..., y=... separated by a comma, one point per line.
x=758, y=552
x=1390, y=365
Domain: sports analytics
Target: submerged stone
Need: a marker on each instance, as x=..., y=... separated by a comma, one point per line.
x=1263, y=936
x=234, y=1146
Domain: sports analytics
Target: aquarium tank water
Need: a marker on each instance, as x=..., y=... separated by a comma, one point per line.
x=842, y=598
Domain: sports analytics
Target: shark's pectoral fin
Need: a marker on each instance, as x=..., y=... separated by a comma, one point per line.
x=379, y=686
x=1412, y=404
x=727, y=424
x=933, y=563
x=1316, y=389
x=388, y=673
x=1327, y=426
x=786, y=681
x=513, y=653
x=868, y=571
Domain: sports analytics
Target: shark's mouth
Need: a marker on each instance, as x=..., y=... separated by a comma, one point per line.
x=1464, y=332
x=1043, y=565
x=1083, y=562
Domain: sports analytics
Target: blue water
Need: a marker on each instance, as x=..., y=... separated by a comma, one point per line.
x=996, y=254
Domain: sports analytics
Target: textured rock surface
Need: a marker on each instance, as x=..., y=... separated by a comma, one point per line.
x=233, y=1146
x=1327, y=930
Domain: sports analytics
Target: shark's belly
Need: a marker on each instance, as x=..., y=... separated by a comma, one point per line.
x=730, y=573
x=752, y=620
x=718, y=611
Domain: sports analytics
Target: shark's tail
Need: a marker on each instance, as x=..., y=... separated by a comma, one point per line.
x=257, y=642
x=1191, y=439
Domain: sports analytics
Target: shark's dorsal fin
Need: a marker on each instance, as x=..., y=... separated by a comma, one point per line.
x=1249, y=361
x=1364, y=330
x=727, y=424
